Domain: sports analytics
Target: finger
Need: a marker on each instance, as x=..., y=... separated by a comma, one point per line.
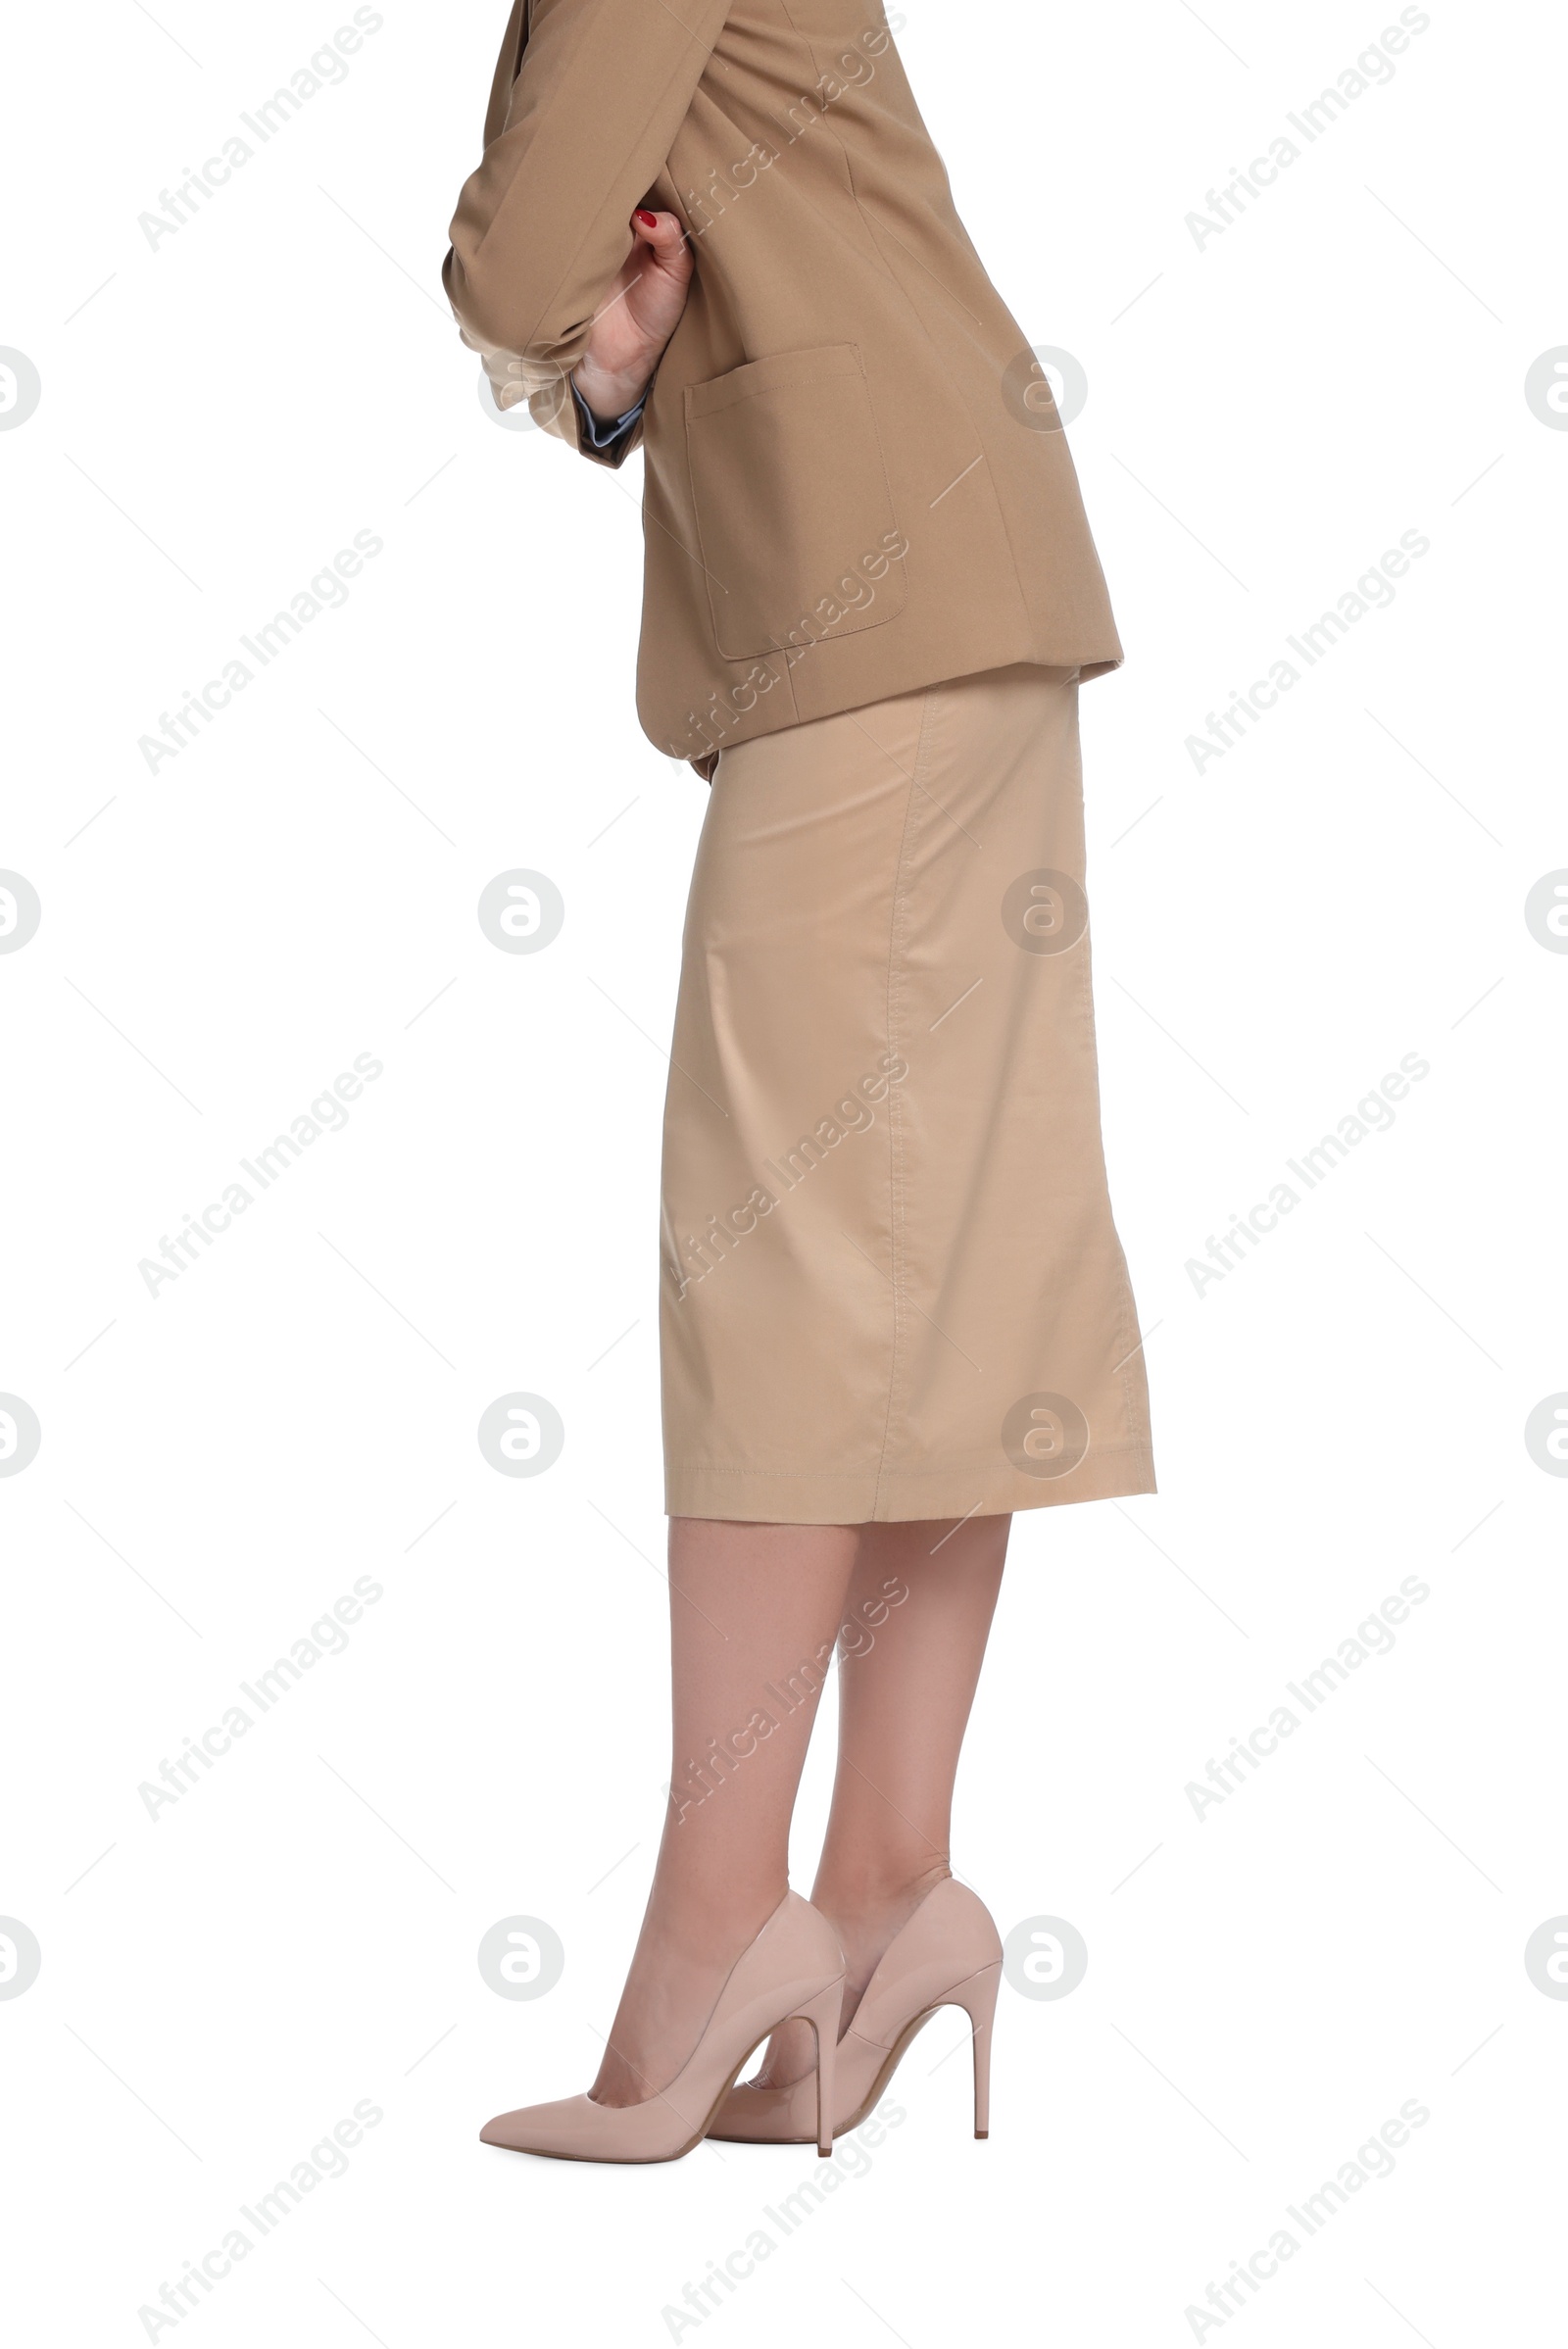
x=660, y=229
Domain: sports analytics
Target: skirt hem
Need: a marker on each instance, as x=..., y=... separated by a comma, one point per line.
x=863, y=1497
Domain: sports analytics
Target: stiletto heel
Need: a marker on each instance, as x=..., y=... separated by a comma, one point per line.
x=978, y=1997
x=948, y=1953
x=823, y=2014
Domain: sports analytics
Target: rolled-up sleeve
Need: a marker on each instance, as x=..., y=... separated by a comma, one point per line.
x=601, y=438
x=587, y=100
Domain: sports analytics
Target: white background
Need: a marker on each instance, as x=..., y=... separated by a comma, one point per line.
x=1266, y=1985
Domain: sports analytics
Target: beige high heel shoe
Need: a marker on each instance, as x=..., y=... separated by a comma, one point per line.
x=795, y=1967
x=948, y=1954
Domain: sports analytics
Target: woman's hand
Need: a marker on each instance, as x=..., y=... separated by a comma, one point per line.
x=640, y=315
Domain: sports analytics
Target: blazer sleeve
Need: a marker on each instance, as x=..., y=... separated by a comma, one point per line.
x=586, y=103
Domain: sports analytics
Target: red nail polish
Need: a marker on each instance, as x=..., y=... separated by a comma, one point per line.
x=652, y=218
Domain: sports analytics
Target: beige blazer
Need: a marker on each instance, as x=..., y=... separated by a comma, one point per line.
x=856, y=481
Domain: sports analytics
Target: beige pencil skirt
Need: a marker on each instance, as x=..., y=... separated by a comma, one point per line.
x=892, y=1287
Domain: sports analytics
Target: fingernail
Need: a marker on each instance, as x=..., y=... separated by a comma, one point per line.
x=652, y=218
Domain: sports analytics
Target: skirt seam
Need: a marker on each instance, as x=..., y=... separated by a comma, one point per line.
x=897, y=940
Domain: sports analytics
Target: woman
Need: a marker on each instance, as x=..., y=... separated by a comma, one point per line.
x=895, y=1308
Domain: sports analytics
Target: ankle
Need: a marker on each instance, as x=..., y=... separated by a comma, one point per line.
x=694, y=1925
x=870, y=1896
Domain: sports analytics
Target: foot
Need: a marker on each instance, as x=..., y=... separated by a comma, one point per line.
x=676, y=1975
x=866, y=1925
x=792, y=1966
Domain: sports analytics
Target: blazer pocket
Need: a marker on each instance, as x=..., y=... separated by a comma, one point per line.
x=792, y=500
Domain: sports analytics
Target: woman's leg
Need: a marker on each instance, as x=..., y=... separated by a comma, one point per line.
x=755, y=1611
x=904, y=1704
